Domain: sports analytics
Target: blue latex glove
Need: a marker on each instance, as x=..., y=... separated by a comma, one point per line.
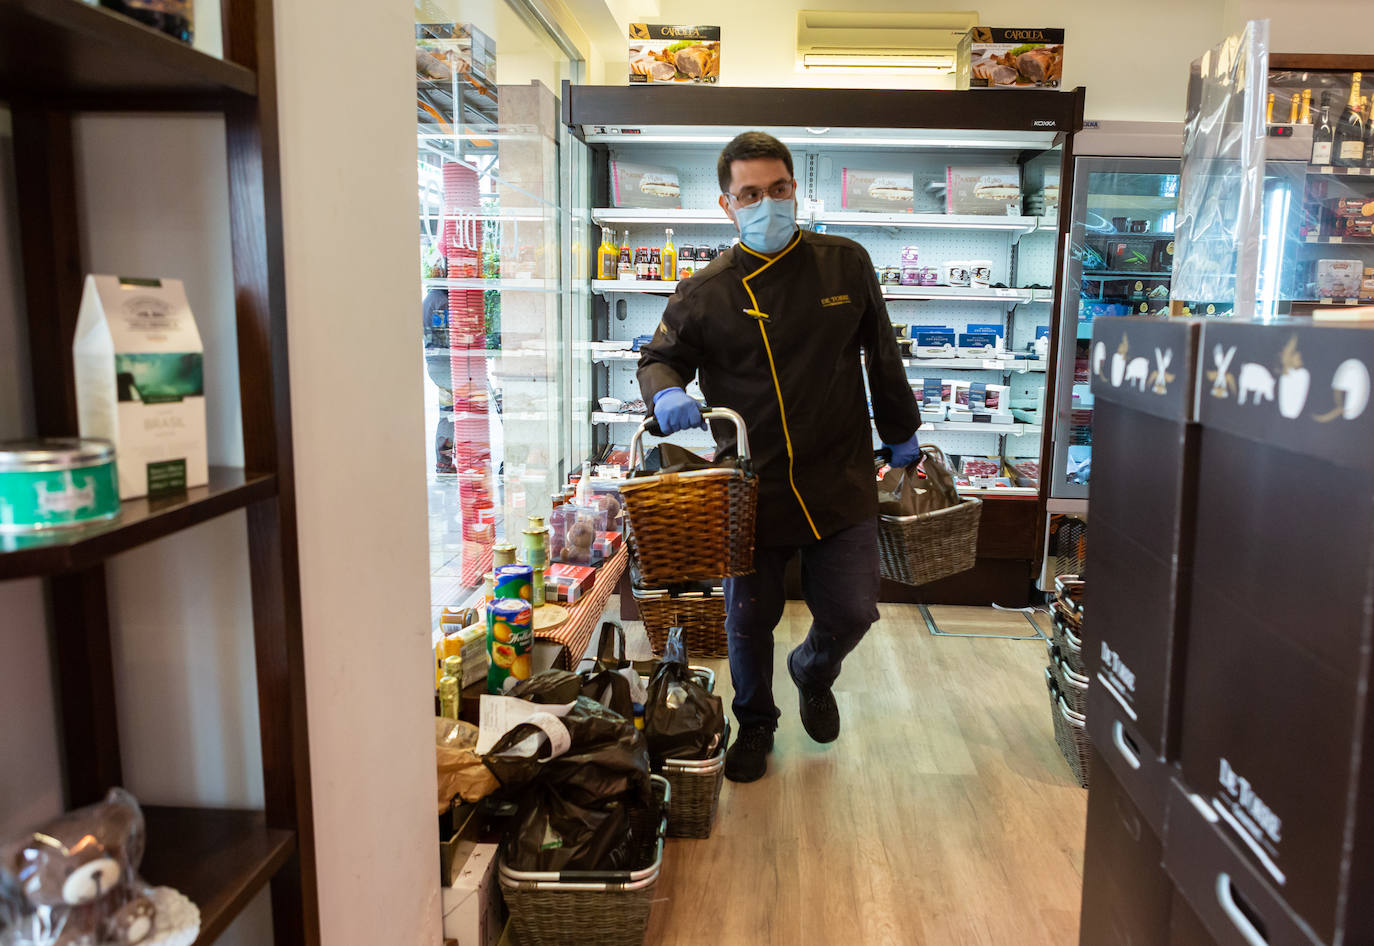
x=676, y=411
x=905, y=454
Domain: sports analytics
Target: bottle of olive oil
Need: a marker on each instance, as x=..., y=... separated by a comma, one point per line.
x=450, y=687
x=669, y=263
x=607, y=256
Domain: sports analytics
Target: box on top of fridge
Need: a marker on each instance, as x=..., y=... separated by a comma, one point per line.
x=1017, y=57
x=664, y=53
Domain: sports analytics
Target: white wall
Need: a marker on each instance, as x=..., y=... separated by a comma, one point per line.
x=348, y=174
x=1297, y=26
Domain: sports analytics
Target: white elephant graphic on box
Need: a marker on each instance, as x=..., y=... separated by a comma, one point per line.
x=1257, y=380
x=1137, y=372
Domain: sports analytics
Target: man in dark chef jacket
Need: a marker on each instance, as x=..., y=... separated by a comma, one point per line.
x=781, y=329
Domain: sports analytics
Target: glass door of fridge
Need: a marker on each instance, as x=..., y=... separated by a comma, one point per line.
x=1119, y=263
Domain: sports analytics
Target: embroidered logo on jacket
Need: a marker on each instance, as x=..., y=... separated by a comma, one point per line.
x=830, y=301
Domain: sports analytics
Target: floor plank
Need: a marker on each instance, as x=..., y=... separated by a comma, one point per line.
x=943, y=816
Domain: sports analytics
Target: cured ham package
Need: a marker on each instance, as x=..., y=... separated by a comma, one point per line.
x=1017, y=58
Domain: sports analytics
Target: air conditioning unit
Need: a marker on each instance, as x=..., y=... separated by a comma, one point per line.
x=934, y=45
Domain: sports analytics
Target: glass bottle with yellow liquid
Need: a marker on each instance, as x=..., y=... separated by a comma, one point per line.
x=607, y=256
x=669, y=270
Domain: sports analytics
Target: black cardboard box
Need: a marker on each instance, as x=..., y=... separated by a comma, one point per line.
x=1185, y=927
x=1225, y=892
x=1144, y=380
x=1126, y=892
x=1277, y=703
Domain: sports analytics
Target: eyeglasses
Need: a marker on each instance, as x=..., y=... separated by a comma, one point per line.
x=781, y=190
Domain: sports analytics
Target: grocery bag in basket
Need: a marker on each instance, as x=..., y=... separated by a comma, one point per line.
x=682, y=719
x=924, y=486
x=551, y=832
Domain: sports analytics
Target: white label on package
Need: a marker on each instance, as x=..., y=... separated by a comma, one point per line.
x=501, y=714
x=1118, y=678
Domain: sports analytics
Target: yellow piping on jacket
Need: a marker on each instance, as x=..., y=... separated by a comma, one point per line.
x=762, y=317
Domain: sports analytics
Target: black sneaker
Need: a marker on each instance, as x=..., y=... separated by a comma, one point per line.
x=747, y=759
x=819, y=712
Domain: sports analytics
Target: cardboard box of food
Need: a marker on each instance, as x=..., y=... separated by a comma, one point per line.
x=877, y=191
x=1339, y=278
x=644, y=185
x=1016, y=58
x=473, y=908
x=140, y=382
x=1125, y=889
x=663, y=53
x=990, y=190
x=568, y=583
x=1278, y=733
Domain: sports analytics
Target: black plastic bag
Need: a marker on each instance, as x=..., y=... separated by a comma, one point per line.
x=552, y=832
x=606, y=757
x=611, y=689
x=549, y=686
x=682, y=719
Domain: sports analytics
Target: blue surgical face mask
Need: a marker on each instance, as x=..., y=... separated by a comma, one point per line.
x=767, y=227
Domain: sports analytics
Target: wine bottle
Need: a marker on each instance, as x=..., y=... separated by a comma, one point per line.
x=1305, y=116
x=1369, y=134
x=173, y=17
x=1269, y=110
x=626, y=268
x=1293, y=109
x=1348, y=150
x=1322, y=137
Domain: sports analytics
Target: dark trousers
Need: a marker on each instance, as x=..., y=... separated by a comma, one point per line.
x=840, y=584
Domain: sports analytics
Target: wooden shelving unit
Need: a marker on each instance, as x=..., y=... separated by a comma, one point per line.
x=58, y=58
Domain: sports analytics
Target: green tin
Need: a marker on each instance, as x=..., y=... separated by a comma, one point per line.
x=55, y=483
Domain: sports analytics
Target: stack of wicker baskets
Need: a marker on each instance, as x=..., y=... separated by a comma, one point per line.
x=1066, y=676
x=696, y=526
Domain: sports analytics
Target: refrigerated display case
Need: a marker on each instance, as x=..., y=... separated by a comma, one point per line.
x=914, y=139
x=1330, y=225
x=1125, y=198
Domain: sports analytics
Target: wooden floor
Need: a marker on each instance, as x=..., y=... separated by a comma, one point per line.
x=943, y=816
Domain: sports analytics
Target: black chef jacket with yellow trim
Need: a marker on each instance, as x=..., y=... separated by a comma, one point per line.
x=779, y=342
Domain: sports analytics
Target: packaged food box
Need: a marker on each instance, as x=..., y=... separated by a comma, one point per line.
x=683, y=54
x=980, y=466
x=877, y=191
x=980, y=344
x=1354, y=207
x=1163, y=256
x=644, y=185
x=1016, y=58
x=140, y=384
x=568, y=583
x=935, y=343
x=1339, y=278
x=1137, y=256
x=978, y=396
x=990, y=190
x=932, y=392
x=608, y=543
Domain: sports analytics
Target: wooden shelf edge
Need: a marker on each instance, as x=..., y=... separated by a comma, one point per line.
x=78, y=38
x=140, y=521
x=219, y=858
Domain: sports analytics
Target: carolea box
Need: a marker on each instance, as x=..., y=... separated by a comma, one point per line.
x=140, y=381
x=684, y=54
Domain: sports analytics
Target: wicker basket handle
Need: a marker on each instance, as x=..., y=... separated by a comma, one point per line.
x=650, y=426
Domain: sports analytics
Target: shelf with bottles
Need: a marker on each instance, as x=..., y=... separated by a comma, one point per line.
x=1336, y=170
x=1008, y=297
x=1336, y=105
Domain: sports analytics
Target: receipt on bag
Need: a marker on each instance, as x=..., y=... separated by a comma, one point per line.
x=501, y=714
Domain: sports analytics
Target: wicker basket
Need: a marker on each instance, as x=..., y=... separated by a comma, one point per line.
x=1070, y=645
x=696, y=791
x=1073, y=687
x=1070, y=734
x=917, y=550
x=575, y=908
x=700, y=615
x=693, y=526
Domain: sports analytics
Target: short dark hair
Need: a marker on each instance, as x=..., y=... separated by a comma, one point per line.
x=746, y=147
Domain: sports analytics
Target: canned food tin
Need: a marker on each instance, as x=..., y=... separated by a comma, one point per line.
x=510, y=641
x=56, y=482
x=502, y=555
x=515, y=582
